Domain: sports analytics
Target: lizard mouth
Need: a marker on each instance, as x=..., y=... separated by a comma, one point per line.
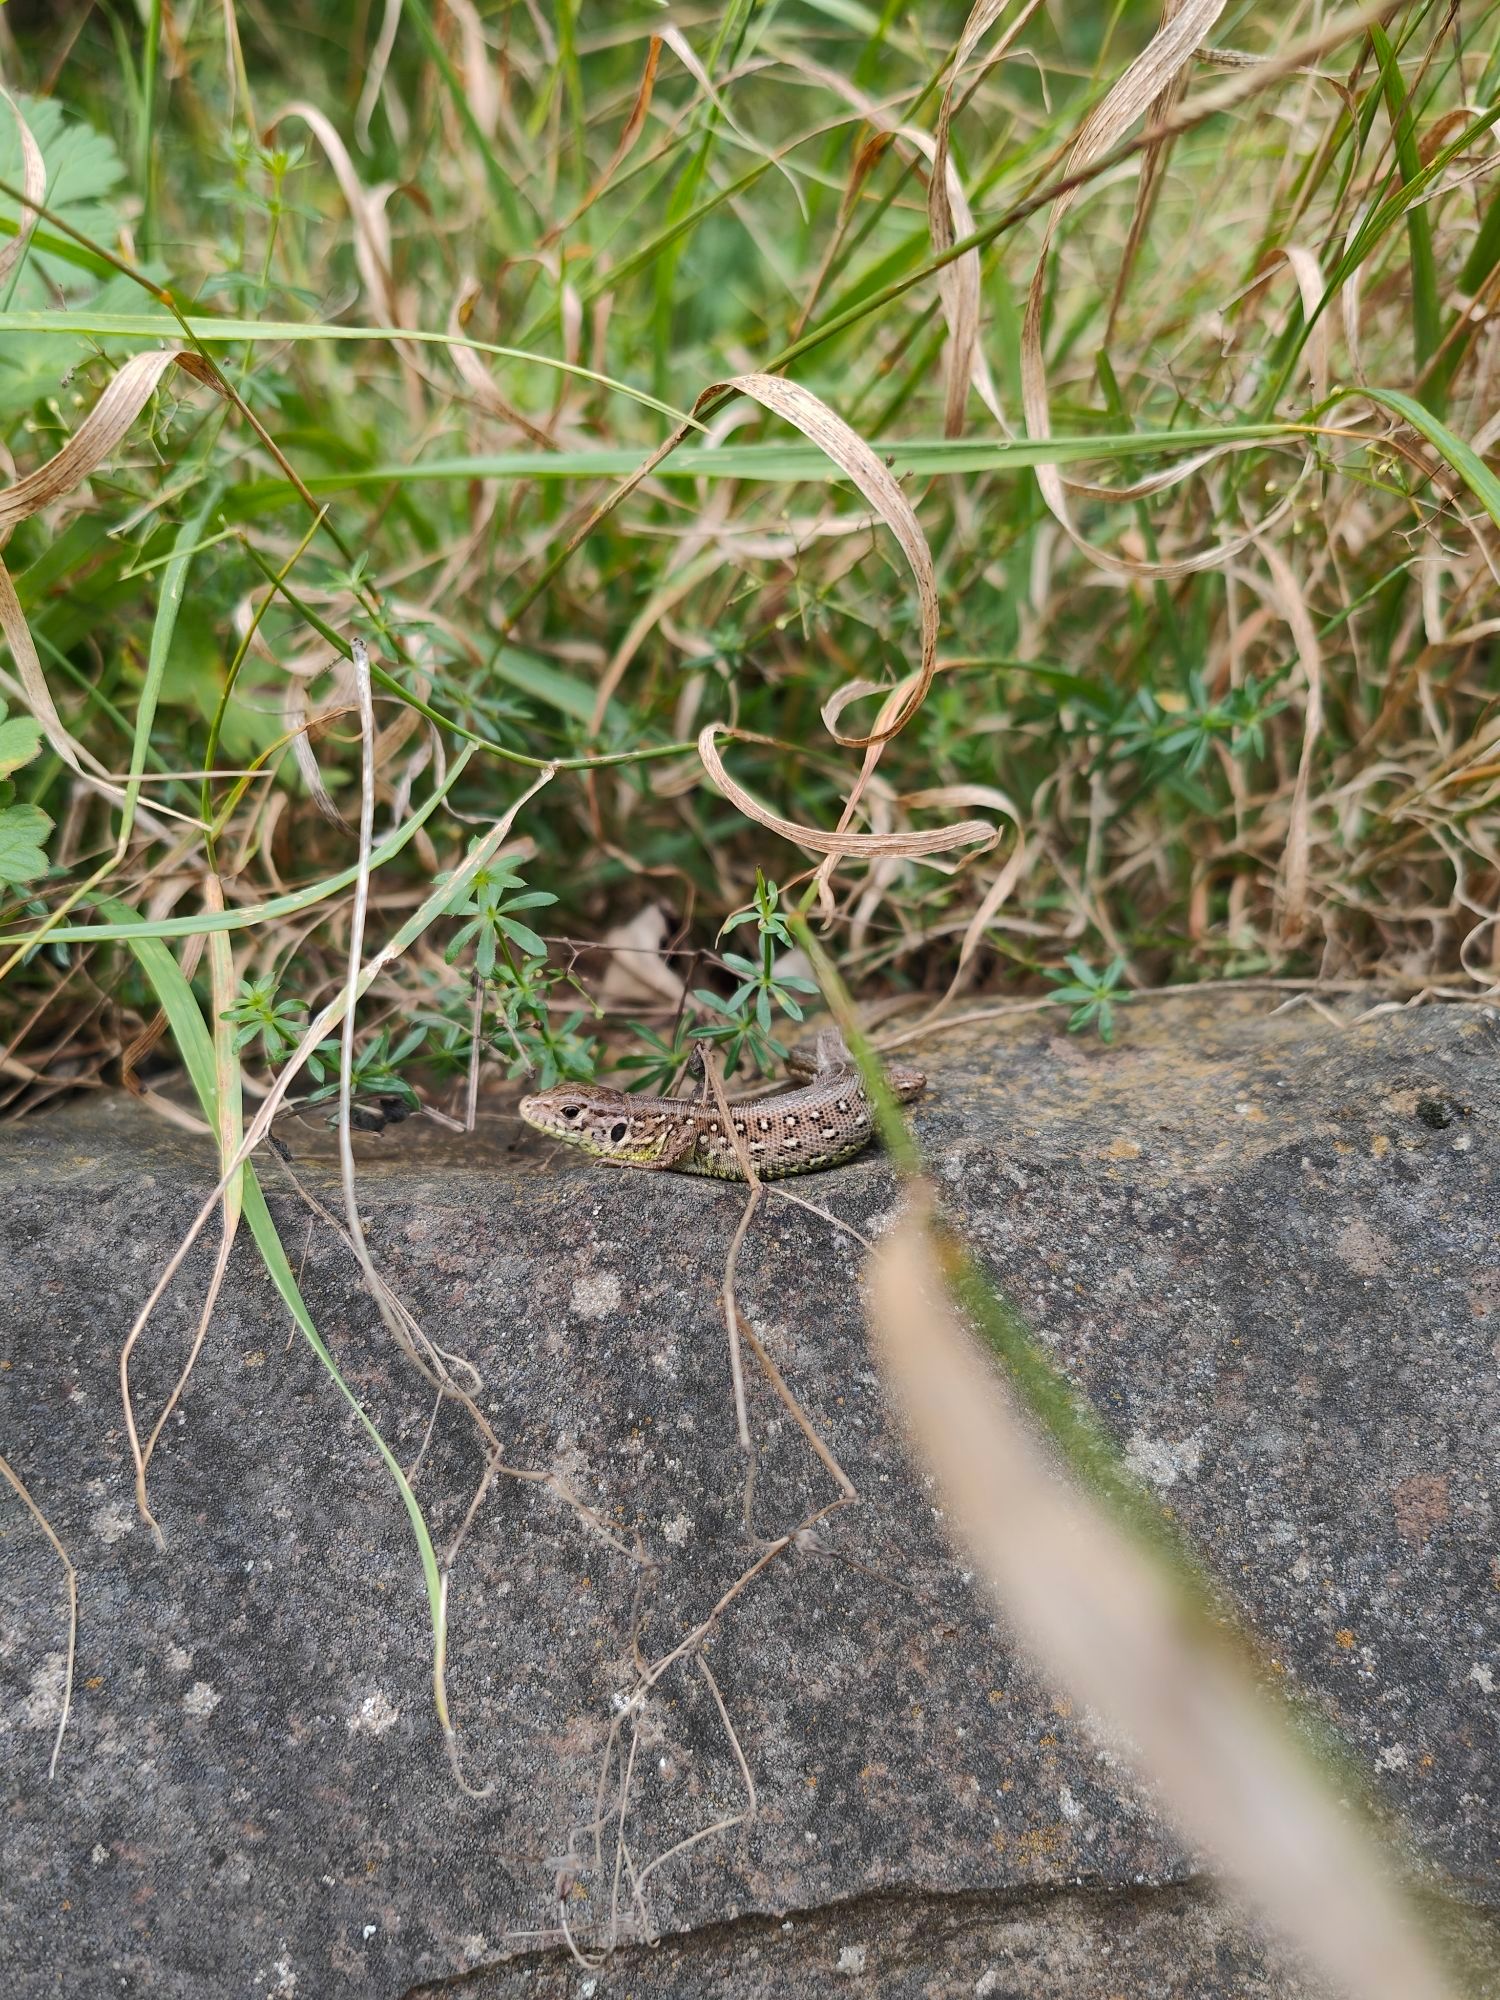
x=542, y=1117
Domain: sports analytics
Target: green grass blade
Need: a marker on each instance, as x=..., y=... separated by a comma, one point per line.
x=1464, y=460
x=783, y=463
x=148, y=138
x=1370, y=232
x=216, y=332
x=1425, y=314
x=168, y=603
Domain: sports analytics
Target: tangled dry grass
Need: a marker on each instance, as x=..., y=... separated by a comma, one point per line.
x=1217, y=684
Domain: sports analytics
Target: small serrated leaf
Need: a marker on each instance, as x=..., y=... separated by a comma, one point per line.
x=20, y=739
x=22, y=831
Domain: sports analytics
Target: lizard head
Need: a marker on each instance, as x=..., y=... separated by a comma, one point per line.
x=601, y=1122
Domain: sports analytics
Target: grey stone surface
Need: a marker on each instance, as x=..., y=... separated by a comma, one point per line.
x=1268, y=1248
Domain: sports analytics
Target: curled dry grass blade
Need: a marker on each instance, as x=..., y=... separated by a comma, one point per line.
x=107, y=423
x=1149, y=78
x=1310, y=657
x=966, y=832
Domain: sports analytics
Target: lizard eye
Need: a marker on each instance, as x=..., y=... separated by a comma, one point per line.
x=570, y=1111
x=617, y=1132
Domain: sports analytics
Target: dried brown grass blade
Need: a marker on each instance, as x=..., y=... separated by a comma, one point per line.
x=120, y=402
x=369, y=97
x=1148, y=79
x=33, y=186
x=867, y=156
x=1296, y=863
x=874, y=479
x=840, y=845
x=1108, y=1622
x=38, y=696
x=476, y=377
x=682, y=48
x=372, y=233
x=949, y=218
x=1310, y=285
x=633, y=127
x=670, y=593
x=879, y=486
x=1153, y=165
x=14, y=1480
x=481, y=70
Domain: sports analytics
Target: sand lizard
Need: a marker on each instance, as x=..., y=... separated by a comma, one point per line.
x=826, y=1121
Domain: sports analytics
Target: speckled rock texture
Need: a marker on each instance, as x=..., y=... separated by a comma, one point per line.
x=1265, y=1244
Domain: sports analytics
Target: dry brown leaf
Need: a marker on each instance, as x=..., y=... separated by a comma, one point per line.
x=1108, y=1623
x=635, y=969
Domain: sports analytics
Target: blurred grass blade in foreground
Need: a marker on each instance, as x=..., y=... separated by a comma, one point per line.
x=1106, y=1619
